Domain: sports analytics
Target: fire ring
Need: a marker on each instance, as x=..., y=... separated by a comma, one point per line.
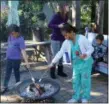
x=53, y=88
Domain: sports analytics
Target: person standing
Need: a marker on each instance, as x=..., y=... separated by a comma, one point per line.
x=79, y=51
x=15, y=51
x=57, y=38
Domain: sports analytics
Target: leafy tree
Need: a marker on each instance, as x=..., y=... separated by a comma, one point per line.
x=85, y=13
x=32, y=18
x=4, y=14
x=30, y=15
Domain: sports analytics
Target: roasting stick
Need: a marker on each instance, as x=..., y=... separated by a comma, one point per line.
x=48, y=68
x=43, y=75
x=45, y=71
x=69, y=64
x=32, y=78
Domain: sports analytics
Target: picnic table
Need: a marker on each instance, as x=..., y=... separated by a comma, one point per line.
x=41, y=49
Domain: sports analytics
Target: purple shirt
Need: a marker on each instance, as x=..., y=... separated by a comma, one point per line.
x=56, y=33
x=15, y=45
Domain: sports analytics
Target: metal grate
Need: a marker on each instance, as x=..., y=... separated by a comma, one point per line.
x=49, y=100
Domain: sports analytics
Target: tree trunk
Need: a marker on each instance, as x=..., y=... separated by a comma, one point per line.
x=78, y=14
x=93, y=10
x=105, y=29
x=13, y=17
x=100, y=16
x=38, y=34
x=74, y=13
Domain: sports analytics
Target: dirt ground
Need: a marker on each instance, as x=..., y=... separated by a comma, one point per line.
x=99, y=90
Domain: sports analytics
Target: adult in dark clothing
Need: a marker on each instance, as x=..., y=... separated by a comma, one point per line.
x=57, y=38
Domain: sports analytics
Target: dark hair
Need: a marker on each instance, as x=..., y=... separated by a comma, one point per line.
x=61, y=7
x=68, y=28
x=94, y=28
x=14, y=28
x=100, y=37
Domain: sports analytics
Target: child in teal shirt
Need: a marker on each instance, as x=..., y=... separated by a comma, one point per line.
x=79, y=51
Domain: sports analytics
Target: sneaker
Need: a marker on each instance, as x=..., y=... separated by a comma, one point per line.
x=62, y=74
x=4, y=90
x=84, y=101
x=72, y=101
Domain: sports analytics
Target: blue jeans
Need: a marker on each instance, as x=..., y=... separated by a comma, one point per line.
x=55, y=47
x=14, y=65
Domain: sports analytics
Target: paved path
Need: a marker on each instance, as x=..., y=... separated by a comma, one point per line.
x=99, y=84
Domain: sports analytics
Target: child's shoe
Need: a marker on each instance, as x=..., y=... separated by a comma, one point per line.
x=84, y=101
x=72, y=101
x=4, y=90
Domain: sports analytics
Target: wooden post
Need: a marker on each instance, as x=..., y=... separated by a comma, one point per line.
x=100, y=16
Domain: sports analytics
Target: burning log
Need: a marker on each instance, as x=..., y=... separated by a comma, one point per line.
x=11, y=99
x=36, y=87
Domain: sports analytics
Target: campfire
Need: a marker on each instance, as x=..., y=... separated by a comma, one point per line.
x=34, y=92
x=38, y=92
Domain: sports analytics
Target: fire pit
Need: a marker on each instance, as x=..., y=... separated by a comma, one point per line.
x=50, y=89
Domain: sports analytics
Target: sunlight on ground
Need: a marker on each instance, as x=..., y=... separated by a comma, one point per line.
x=68, y=80
x=96, y=93
x=96, y=75
x=36, y=67
x=67, y=89
x=44, y=67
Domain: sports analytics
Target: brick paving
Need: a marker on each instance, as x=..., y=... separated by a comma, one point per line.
x=99, y=91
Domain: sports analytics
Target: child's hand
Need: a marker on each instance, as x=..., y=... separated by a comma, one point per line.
x=51, y=65
x=83, y=56
x=61, y=25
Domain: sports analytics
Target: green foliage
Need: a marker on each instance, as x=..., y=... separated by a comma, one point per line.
x=4, y=15
x=28, y=12
x=87, y=10
x=85, y=13
x=4, y=32
x=31, y=16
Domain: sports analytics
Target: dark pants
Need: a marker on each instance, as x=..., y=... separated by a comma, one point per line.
x=96, y=61
x=14, y=65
